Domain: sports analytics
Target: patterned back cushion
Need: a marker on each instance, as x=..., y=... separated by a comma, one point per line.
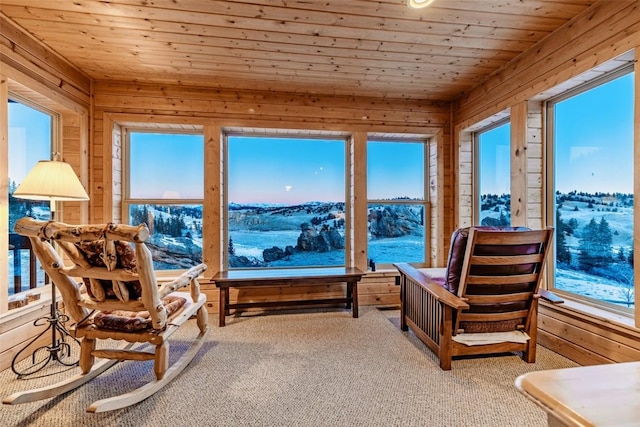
x=93, y=252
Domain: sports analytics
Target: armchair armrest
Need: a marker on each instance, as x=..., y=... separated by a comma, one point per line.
x=438, y=292
x=186, y=278
x=550, y=297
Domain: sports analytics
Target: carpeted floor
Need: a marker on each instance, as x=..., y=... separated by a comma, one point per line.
x=311, y=368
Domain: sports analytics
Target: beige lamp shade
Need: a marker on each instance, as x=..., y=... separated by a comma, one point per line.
x=51, y=180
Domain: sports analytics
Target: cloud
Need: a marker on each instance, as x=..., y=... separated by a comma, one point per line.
x=577, y=152
x=287, y=188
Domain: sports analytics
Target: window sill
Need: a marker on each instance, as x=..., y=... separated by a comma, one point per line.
x=595, y=314
x=38, y=306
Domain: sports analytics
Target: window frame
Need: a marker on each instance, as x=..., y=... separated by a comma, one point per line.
x=425, y=202
x=127, y=200
x=282, y=134
x=476, y=164
x=550, y=187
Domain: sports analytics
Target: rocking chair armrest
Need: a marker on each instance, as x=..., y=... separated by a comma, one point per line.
x=185, y=279
x=550, y=297
x=438, y=292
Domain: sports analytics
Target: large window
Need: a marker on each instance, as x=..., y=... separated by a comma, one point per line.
x=164, y=189
x=592, y=137
x=396, y=201
x=285, y=201
x=494, y=175
x=30, y=140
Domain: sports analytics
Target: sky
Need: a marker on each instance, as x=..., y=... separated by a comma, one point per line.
x=593, y=143
x=27, y=128
x=594, y=139
x=167, y=166
x=495, y=158
x=294, y=171
x=286, y=170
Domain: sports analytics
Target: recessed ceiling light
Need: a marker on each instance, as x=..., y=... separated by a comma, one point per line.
x=418, y=4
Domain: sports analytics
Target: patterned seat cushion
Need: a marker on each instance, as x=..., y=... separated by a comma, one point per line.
x=132, y=321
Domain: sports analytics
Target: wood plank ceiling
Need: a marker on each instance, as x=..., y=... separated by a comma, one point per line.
x=377, y=48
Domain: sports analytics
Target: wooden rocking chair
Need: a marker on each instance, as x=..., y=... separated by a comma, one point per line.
x=122, y=302
x=489, y=290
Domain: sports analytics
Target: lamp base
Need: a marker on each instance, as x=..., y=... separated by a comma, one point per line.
x=59, y=350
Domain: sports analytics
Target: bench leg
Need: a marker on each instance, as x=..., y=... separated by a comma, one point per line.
x=222, y=306
x=354, y=297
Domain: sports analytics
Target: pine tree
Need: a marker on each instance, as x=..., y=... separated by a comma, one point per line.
x=595, y=245
x=232, y=250
x=621, y=256
x=562, y=251
x=586, y=246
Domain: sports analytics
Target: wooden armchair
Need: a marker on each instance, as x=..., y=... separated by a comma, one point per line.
x=118, y=299
x=489, y=290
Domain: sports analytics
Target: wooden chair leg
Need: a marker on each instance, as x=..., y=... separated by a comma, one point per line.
x=87, y=346
x=529, y=355
x=161, y=360
x=202, y=319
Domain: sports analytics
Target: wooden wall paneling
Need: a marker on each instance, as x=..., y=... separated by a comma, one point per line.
x=75, y=152
x=359, y=200
x=16, y=329
x=519, y=165
x=534, y=166
x=609, y=349
x=4, y=188
x=437, y=198
x=269, y=110
x=108, y=133
x=431, y=217
x=449, y=185
x=96, y=169
x=213, y=218
x=587, y=339
x=580, y=355
x=465, y=192
x=116, y=165
x=605, y=30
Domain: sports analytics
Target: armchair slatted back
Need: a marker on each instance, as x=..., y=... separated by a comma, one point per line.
x=500, y=279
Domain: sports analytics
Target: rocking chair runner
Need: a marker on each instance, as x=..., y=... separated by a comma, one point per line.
x=491, y=285
x=122, y=302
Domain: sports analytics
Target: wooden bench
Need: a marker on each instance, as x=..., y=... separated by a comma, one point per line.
x=225, y=280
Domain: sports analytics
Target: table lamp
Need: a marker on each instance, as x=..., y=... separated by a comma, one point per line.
x=53, y=181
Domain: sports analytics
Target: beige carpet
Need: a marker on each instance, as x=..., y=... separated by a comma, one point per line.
x=312, y=368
